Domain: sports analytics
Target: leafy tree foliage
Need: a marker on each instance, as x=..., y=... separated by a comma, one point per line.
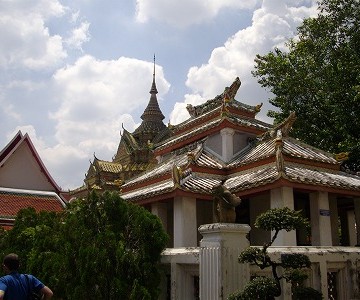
x=99, y=248
x=318, y=78
x=293, y=265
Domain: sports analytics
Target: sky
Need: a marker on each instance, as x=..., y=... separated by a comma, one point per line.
x=74, y=72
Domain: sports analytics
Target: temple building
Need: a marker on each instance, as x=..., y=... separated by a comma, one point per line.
x=25, y=181
x=177, y=171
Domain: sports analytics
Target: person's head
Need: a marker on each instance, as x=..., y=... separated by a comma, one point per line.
x=11, y=262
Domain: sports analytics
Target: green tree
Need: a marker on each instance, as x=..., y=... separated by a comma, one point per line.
x=318, y=78
x=99, y=248
x=291, y=266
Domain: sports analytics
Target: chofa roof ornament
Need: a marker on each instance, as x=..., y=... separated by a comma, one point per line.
x=284, y=127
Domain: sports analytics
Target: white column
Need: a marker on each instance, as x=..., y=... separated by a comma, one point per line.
x=351, y=228
x=227, y=138
x=334, y=216
x=258, y=205
x=160, y=210
x=357, y=219
x=220, y=272
x=280, y=198
x=185, y=224
x=320, y=219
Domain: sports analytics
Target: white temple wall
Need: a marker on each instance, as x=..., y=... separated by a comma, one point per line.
x=213, y=143
x=240, y=141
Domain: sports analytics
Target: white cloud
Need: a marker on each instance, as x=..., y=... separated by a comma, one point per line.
x=27, y=40
x=79, y=36
x=186, y=12
x=272, y=25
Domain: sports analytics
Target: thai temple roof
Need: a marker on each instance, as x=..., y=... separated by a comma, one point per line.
x=272, y=155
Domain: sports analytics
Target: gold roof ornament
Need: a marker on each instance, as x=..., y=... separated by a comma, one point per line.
x=118, y=182
x=177, y=174
x=258, y=107
x=285, y=127
x=342, y=156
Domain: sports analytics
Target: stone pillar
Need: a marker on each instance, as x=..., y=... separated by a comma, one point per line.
x=185, y=224
x=357, y=219
x=279, y=198
x=227, y=136
x=220, y=272
x=320, y=219
x=160, y=210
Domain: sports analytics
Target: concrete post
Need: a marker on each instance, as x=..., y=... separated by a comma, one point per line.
x=220, y=272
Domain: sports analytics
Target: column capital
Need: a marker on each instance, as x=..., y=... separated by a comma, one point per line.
x=227, y=131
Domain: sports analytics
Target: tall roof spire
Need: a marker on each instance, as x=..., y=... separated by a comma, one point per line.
x=152, y=116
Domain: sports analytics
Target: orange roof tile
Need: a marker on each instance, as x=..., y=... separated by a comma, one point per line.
x=13, y=200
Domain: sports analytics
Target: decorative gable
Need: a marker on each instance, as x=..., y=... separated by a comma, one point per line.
x=21, y=167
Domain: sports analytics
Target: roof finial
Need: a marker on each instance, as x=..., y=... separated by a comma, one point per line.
x=154, y=67
x=153, y=86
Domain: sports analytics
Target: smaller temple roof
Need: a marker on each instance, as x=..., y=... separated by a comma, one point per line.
x=13, y=200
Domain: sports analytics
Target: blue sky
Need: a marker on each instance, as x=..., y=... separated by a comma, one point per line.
x=72, y=72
